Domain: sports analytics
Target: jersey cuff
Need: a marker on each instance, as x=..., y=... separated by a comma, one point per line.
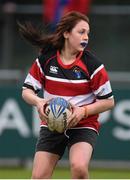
x=105, y=96
x=30, y=87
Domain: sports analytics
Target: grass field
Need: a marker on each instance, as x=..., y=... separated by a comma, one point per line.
x=63, y=173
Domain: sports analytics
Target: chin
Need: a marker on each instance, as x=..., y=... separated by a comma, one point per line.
x=81, y=49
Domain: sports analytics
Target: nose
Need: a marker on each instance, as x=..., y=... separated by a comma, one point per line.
x=85, y=37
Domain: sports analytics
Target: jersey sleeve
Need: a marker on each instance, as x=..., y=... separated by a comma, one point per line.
x=100, y=83
x=99, y=79
x=35, y=77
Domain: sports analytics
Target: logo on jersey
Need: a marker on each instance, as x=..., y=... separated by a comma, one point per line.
x=77, y=73
x=54, y=69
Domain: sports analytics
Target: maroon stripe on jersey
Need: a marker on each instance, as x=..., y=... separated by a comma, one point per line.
x=99, y=79
x=90, y=122
x=36, y=73
x=67, y=89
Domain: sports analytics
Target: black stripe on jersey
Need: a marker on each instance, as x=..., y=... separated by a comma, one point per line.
x=62, y=72
x=105, y=96
x=30, y=87
x=91, y=62
x=46, y=54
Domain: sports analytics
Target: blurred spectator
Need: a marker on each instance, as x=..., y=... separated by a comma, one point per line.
x=9, y=6
x=53, y=10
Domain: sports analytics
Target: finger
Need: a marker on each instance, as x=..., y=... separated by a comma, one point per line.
x=72, y=124
x=71, y=117
x=72, y=107
x=43, y=116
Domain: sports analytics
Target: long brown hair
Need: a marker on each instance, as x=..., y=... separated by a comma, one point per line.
x=36, y=37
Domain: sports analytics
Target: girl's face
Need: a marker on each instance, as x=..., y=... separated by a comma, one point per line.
x=78, y=35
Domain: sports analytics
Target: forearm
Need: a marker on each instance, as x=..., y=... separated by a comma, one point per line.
x=30, y=97
x=99, y=107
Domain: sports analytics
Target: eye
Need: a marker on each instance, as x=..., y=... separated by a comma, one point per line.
x=81, y=32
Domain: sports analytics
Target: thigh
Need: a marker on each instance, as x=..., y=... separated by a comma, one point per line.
x=44, y=164
x=81, y=145
x=80, y=153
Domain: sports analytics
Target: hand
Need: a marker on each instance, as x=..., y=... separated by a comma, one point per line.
x=78, y=114
x=40, y=107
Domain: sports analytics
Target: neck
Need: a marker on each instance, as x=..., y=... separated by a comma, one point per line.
x=68, y=57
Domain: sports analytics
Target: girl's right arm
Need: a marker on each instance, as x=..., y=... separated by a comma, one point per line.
x=31, y=98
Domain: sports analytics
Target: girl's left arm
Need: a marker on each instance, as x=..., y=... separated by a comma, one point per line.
x=99, y=106
x=95, y=108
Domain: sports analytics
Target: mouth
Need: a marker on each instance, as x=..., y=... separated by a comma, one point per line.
x=84, y=43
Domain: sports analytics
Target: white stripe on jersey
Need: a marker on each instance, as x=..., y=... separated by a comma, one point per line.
x=97, y=70
x=104, y=89
x=38, y=64
x=66, y=80
x=30, y=80
x=75, y=100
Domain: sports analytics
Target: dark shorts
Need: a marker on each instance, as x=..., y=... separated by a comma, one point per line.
x=56, y=143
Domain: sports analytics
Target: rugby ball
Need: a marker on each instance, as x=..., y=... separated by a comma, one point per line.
x=58, y=110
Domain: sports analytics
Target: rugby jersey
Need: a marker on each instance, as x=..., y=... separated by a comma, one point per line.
x=80, y=83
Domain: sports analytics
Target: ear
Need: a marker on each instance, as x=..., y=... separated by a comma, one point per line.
x=66, y=34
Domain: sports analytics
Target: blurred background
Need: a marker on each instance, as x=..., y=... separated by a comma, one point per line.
x=109, y=41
